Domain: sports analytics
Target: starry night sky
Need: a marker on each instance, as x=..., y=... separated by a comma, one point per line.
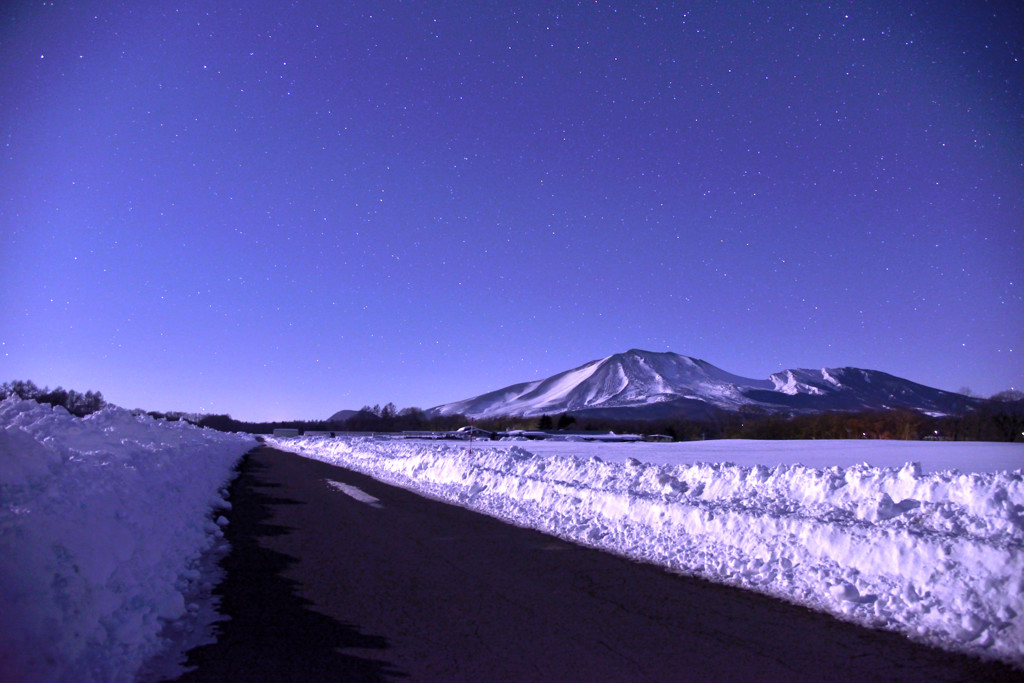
x=279, y=210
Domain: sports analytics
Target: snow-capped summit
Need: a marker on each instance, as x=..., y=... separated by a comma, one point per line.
x=646, y=384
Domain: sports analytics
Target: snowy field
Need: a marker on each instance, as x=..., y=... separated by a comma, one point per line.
x=108, y=525
x=933, y=456
x=923, y=538
x=104, y=525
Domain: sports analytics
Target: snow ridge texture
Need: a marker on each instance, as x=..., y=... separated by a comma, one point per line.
x=103, y=521
x=938, y=557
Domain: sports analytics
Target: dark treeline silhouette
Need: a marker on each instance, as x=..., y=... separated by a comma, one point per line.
x=992, y=421
x=989, y=422
x=73, y=401
x=368, y=419
x=1000, y=418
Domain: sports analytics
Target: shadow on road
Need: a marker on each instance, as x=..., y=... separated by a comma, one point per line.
x=271, y=633
x=462, y=596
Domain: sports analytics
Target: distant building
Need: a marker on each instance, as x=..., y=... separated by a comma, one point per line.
x=414, y=434
x=286, y=432
x=471, y=433
x=567, y=435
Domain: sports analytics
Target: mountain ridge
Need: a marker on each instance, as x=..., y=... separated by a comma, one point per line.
x=642, y=384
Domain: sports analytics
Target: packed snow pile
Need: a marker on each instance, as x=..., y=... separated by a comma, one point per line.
x=103, y=521
x=937, y=556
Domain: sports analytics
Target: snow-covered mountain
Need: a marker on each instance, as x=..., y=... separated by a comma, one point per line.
x=650, y=385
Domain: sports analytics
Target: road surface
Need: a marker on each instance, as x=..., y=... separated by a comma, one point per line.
x=356, y=580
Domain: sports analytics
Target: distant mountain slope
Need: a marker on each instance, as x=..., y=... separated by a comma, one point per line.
x=648, y=385
x=342, y=415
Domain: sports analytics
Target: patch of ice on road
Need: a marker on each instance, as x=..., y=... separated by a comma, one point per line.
x=355, y=492
x=938, y=556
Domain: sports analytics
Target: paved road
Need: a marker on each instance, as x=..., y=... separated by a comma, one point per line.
x=326, y=585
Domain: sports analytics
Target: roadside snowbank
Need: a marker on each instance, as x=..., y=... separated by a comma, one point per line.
x=938, y=557
x=102, y=524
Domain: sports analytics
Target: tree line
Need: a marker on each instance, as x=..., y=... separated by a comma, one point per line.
x=1000, y=418
x=991, y=421
x=73, y=401
x=368, y=419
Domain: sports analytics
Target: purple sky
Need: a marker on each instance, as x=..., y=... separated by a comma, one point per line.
x=279, y=210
